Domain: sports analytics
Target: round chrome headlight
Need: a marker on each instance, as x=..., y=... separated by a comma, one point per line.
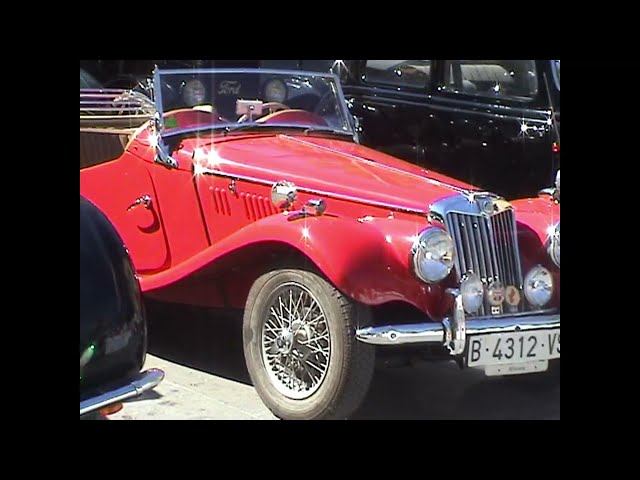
x=275, y=91
x=538, y=286
x=432, y=255
x=194, y=92
x=472, y=291
x=553, y=245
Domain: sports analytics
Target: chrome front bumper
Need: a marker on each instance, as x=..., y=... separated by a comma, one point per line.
x=452, y=332
x=137, y=386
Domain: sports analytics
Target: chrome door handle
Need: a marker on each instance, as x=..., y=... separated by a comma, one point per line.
x=143, y=200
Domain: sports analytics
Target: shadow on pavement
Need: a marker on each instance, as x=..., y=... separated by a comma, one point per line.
x=203, y=339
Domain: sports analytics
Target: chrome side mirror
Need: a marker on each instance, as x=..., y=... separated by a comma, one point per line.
x=163, y=156
x=316, y=207
x=283, y=194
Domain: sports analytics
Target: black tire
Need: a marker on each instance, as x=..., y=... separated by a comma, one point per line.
x=351, y=363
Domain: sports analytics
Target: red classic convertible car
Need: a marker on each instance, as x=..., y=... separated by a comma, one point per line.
x=247, y=189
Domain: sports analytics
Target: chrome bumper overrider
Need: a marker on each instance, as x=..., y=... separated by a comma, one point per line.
x=137, y=386
x=453, y=330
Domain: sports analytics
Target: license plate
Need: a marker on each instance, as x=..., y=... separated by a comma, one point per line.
x=516, y=368
x=513, y=347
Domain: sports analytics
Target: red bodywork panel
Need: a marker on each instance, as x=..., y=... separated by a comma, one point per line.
x=210, y=228
x=537, y=218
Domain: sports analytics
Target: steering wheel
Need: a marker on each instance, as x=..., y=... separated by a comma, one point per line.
x=271, y=106
x=323, y=103
x=275, y=106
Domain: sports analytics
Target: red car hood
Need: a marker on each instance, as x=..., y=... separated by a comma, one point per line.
x=333, y=166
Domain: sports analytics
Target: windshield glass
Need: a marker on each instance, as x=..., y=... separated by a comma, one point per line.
x=250, y=99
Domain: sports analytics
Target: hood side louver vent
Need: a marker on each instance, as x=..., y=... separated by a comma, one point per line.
x=221, y=202
x=257, y=206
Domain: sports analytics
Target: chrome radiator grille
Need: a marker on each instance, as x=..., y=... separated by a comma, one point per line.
x=487, y=245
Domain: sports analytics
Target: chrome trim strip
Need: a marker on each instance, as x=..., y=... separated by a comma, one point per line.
x=521, y=324
x=441, y=333
x=402, y=334
x=469, y=203
x=141, y=383
x=201, y=170
x=456, y=326
x=515, y=243
x=383, y=95
x=261, y=71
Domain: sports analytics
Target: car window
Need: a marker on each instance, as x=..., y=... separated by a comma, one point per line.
x=403, y=73
x=492, y=78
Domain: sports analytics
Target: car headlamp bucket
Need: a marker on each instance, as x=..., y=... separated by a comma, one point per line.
x=472, y=292
x=432, y=255
x=538, y=286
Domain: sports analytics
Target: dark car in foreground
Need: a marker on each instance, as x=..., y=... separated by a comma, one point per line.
x=113, y=332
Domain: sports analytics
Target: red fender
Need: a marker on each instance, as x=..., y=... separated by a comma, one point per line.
x=368, y=261
x=536, y=219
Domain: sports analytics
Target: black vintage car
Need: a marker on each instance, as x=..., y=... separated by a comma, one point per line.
x=492, y=123
x=113, y=331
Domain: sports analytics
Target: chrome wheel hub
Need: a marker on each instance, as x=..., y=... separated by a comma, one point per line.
x=284, y=341
x=296, y=344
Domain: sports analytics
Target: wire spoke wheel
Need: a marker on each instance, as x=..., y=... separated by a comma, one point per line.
x=300, y=346
x=296, y=342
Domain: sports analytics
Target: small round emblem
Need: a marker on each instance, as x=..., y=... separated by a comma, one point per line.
x=487, y=206
x=512, y=295
x=495, y=293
